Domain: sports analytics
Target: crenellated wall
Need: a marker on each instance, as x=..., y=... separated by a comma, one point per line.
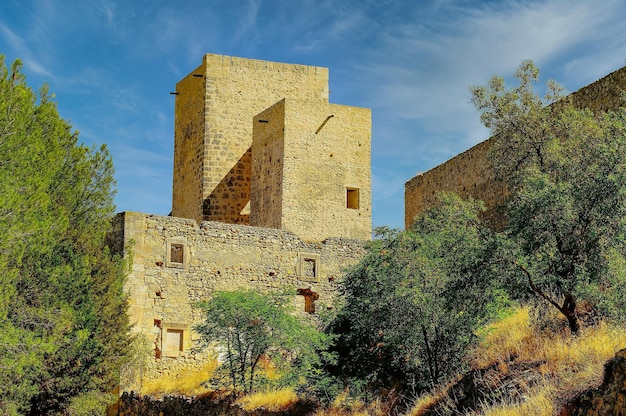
x=470, y=173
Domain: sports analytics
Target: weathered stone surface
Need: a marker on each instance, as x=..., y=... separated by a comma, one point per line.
x=213, y=129
x=163, y=294
x=304, y=174
x=306, y=155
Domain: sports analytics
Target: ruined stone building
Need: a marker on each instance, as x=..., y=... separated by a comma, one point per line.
x=470, y=173
x=271, y=188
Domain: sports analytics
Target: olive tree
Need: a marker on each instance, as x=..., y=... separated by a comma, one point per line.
x=565, y=170
x=413, y=303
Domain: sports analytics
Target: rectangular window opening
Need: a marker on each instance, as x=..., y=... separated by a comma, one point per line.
x=173, y=342
x=309, y=267
x=176, y=253
x=352, y=198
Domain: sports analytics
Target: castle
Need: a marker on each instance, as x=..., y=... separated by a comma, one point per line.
x=271, y=188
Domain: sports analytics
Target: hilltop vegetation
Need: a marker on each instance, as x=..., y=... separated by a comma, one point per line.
x=63, y=323
x=415, y=305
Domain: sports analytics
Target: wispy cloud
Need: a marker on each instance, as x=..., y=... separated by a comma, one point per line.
x=21, y=49
x=107, y=8
x=113, y=62
x=467, y=49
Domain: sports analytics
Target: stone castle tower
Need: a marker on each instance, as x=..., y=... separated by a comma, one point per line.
x=271, y=189
x=258, y=143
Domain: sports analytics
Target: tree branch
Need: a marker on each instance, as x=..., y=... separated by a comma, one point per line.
x=537, y=290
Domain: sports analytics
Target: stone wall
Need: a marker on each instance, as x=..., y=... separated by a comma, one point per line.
x=311, y=169
x=268, y=149
x=213, y=130
x=176, y=263
x=467, y=174
x=188, y=146
x=470, y=173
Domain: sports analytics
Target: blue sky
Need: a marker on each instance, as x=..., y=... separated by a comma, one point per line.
x=112, y=64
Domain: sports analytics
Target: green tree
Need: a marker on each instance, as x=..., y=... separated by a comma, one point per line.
x=413, y=303
x=63, y=322
x=566, y=173
x=249, y=325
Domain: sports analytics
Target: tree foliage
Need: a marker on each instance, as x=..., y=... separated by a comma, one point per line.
x=63, y=323
x=413, y=303
x=565, y=169
x=249, y=326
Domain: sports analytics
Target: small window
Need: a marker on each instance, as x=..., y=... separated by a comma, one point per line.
x=176, y=253
x=309, y=266
x=173, y=342
x=352, y=198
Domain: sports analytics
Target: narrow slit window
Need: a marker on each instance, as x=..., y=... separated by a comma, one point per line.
x=352, y=198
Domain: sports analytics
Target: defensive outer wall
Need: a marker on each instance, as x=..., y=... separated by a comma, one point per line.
x=271, y=189
x=470, y=173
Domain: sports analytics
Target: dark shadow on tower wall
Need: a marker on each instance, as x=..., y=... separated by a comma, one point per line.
x=231, y=196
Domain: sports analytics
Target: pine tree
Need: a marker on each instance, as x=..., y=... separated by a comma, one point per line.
x=63, y=322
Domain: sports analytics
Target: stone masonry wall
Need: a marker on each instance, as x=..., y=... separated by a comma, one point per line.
x=467, y=174
x=188, y=146
x=232, y=90
x=176, y=263
x=268, y=150
x=323, y=150
x=470, y=173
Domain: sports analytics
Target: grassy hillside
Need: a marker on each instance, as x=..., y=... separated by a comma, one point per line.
x=520, y=369
x=517, y=369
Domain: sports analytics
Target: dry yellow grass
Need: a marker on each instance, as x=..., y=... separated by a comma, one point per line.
x=568, y=362
x=185, y=384
x=274, y=401
x=345, y=405
x=541, y=403
x=505, y=339
x=561, y=366
x=424, y=403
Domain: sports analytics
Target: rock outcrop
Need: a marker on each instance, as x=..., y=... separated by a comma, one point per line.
x=607, y=400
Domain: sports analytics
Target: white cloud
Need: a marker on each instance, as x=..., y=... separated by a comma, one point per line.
x=422, y=74
x=107, y=8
